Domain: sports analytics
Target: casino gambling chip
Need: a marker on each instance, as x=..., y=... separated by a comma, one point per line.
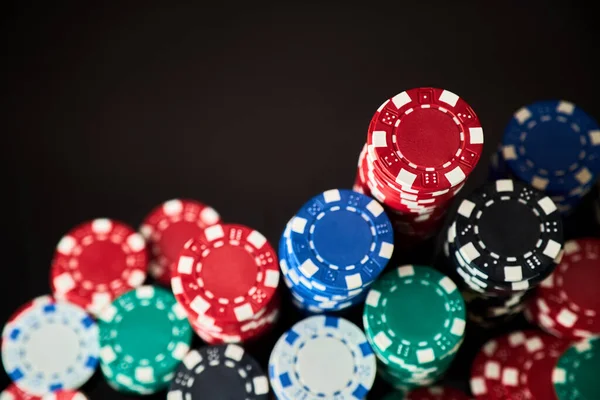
x=436, y=393
x=168, y=227
x=65, y=395
x=322, y=357
x=566, y=304
x=132, y=357
x=573, y=158
x=414, y=350
x=509, y=232
x=236, y=252
x=12, y=392
x=96, y=262
x=49, y=345
x=219, y=372
x=576, y=373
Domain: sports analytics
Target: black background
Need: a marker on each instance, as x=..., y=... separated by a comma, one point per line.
x=253, y=109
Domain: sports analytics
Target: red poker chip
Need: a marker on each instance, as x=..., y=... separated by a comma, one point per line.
x=65, y=395
x=497, y=367
x=12, y=392
x=536, y=374
x=427, y=139
x=98, y=261
x=436, y=393
x=168, y=227
x=228, y=274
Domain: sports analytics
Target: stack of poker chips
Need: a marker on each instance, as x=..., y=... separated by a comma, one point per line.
x=48, y=345
x=79, y=272
x=566, y=304
x=518, y=365
x=168, y=227
x=322, y=357
x=226, y=279
x=134, y=366
x=414, y=319
x=224, y=371
x=333, y=249
x=553, y=146
x=422, y=145
x=504, y=240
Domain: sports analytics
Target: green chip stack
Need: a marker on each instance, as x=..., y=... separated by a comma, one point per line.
x=414, y=318
x=576, y=373
x=144, y=335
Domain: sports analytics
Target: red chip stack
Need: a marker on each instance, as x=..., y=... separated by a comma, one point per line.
x=226, y=280
x=168, y=227
x=566, y=304
x=422, y=145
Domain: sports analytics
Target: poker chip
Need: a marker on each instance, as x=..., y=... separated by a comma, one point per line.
x=65, y=395
x=226, y=281
x=576, y=373
x=436, y=393
x=144, y=335
x=333, y=249
x=12, y=392
x=219, y=372
x=554, y=146
x=412, y=350
x=422, y=145
x=49, y=345
x=96, y=262
x=566, y=303
x=322, y=357
x=168, y=227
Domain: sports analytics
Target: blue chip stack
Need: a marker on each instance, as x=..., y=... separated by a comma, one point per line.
x=553, y=146
x=333, y=249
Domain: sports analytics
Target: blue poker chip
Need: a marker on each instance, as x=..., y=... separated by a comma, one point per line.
x=322, y=357
x=554, y=146
x=50, y=345
x=341, y=239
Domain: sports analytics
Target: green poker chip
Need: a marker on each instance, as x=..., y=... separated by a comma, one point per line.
x=414, y=318
x=144, y=335
x=575, y=376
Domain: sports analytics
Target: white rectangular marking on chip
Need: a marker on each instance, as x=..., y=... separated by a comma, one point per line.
x=476, y=135
x=375, y=208
x=382, y=341
x=547, y=205
x=261, y=385
x=552, y=249
x=234, y=352
x=107, y=354
x=401, y=99
x=449, y=98
x=256, y=239
x=594, y=137
x=425, y=356
x=505, y=185
x=466, y=208
x=331, y=196
x=144, y=374
x=353, y=281
x=571, y=247
x=243, y=313
x=452, y=233
x=379, y=139
x=565, y=107
x=271, y=278
x=373, y=298
x=144, y=292
x=477, y=386
x=407, y=270
x=458, y=327
x=513, y=274
x=455, y=176
x=64, y=283
x=510, y=377
x=491, y=370
x=405, y=177
x=308, y=268
x=199, y=305
x=185, y=265
x=386, y=250
x=534, y=344
x=299, y=224
x=192, y=359
x=559, y=375
x=522, y=115
x=469, y=252
x=539, y=183
x=584, y=176
x=566, y=318
x=447, y=284
x=176, y=285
